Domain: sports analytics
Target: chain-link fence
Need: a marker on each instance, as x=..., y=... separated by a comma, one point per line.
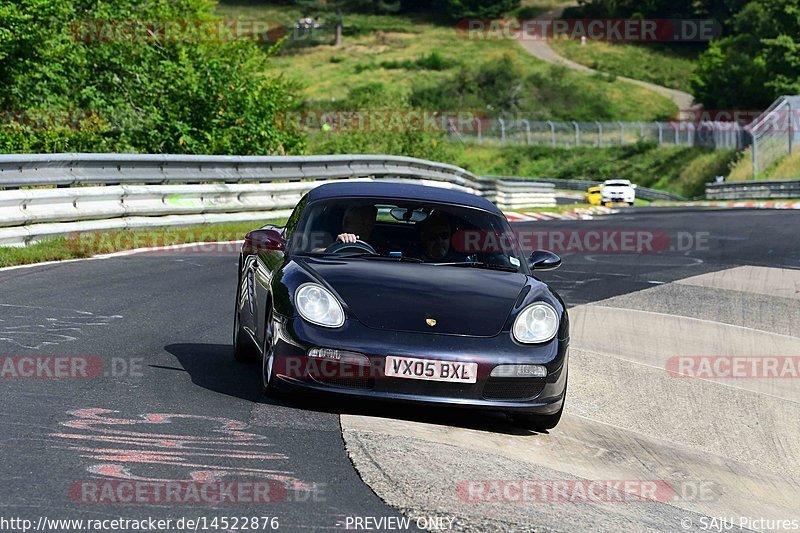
x=503, y=132
x=774, y=133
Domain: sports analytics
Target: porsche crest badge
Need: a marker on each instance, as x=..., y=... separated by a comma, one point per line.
x=430, y=321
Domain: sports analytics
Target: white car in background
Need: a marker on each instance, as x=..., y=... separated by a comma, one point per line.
x=617, y=191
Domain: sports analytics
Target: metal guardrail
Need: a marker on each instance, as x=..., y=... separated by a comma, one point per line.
x=106, y=169
x=644, y=193
x=48, y=195
x=755, y=190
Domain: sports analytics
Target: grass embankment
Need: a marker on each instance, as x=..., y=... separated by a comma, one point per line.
x=89, y=244
x=395, y=51
x=785, y=168
x=659, y=63
x=680, y=170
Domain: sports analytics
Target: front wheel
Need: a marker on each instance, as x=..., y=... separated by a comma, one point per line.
x=267, y=358
x=243, y=349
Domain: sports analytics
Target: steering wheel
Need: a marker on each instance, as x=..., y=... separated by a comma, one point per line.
x=350, y=247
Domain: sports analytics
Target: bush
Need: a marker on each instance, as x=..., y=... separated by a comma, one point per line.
x=432, y=61
x=482, y=9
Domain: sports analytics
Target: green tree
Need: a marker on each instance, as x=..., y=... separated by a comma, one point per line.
x=197, y=91
x=757, y=64
x=731, y=75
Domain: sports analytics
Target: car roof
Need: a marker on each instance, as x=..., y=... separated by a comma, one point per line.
x=399, y=191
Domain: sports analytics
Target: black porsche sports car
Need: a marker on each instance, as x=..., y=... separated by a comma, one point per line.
x=403, y=292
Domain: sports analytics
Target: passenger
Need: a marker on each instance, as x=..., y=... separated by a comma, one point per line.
x=436, y=235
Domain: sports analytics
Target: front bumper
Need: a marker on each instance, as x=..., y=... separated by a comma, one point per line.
x=618, y=200
x=293, y=369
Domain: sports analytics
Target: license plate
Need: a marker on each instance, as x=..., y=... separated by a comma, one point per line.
x=430, y=369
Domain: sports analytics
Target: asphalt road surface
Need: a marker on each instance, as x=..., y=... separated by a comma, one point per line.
x=164, y=400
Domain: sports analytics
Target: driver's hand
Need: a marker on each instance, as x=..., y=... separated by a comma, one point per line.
x=347, y=237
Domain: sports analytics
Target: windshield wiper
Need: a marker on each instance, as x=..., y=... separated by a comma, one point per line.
x=368, y=255
x=478, y=264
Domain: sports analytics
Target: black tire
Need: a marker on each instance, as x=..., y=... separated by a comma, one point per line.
x=243, y=349
x=267, y=380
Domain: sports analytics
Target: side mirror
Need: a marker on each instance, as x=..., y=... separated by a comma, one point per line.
x=543, y=260
x=268, y=238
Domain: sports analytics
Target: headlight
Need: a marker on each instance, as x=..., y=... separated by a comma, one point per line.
x=536, y=323
x=318, y=305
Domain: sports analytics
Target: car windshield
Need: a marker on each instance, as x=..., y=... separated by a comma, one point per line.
x=617, y=184
x=415, y=231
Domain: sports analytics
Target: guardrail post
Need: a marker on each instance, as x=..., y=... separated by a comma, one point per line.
x=621, y=133
x=720, y=137
x=552, y=133
x=698, y=136
x=790, y=128
x=660, y=133
x=502, y=131
x=453, y=132
x=740, y=137
x=754, y=148
x=740, y=133
x=599, y=134
x=577, y=134
x=527, y=131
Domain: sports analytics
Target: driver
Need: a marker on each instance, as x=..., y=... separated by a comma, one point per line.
x=357, y=223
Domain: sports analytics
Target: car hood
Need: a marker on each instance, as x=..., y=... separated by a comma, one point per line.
x=402, y=296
